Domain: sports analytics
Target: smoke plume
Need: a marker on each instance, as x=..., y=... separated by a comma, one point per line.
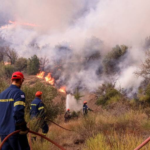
x=78, y=35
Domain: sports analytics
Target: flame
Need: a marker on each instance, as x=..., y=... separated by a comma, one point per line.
x=23, y=23
x=62, y=89
x=3, y=27
x=40, y=75
x=7, y=63
x=49, y=79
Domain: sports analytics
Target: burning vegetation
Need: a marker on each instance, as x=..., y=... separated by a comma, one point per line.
x=49, y=79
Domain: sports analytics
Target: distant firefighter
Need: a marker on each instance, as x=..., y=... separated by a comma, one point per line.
x=37, y=114
x=67, y=115
x=86, y=108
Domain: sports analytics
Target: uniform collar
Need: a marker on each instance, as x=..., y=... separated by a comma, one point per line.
x=14, y=86
x=38, y=98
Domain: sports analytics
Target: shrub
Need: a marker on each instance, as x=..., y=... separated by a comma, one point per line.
x=8, y=70
x=49, y=93
x=107, y=93
x=144, y=95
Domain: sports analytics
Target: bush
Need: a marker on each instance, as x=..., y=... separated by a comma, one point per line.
x=8, y=70
x=144, y=95
x=49, y=93
x=3, y=85
x=107, y=93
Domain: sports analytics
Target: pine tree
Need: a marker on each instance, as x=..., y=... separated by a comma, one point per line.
x=33, y=65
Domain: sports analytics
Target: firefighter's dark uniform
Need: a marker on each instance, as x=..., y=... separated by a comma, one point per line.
x=37, y=111
x=67, y=116
x=12, y=104
x=85, y=109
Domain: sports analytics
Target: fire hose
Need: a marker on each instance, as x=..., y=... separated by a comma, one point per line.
x=17, y=131
x=144, y=143
x=61, y=126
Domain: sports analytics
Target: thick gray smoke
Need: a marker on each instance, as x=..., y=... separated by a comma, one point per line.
x=78, y=34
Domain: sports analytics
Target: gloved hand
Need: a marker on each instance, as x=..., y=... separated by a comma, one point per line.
x=22, y=126
x=46, y=119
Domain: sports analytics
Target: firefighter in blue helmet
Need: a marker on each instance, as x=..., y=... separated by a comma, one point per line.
x=12, y=105
x=86, y=108
x=37, y=113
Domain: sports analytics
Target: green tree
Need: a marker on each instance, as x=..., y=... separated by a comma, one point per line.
x=33, y=65
x=77, y=95
x=111, y=60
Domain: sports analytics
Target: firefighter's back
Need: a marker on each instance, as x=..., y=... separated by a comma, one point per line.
x=7, y=102
x=34, y=107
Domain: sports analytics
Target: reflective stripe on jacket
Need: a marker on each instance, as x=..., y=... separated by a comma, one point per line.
x=37, y=108
x=12, y=104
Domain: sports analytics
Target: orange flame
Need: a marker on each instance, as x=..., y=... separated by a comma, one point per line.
x=62, y=89
x=25, y=24
x=7, y=63
x=40, y=75
x=49, y=79
x=3, y=27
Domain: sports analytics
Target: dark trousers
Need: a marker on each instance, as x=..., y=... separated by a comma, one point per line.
x=44, y=127
x=16, y=142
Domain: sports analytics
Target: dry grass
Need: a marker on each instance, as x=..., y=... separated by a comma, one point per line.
x=101, y=131
x=113, y=129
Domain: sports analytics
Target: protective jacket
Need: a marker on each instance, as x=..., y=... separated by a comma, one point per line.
x=37, y=108
x=12, y=104
x=67, y=114
x=85, y=109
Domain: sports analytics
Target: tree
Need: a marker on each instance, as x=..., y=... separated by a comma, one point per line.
x=33, y=65
x=43, y=62
x=145, y=68
x=77, y=94
x=112, y=59
x=11, y=54
x=2, y=54
x=21, y=64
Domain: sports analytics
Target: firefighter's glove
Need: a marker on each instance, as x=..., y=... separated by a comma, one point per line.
x=22, y=127
x=46, y=119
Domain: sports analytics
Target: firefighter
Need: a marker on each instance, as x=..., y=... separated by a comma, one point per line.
x=67, y=115
x=37, y=113
x=86, y=108
x=12, y=105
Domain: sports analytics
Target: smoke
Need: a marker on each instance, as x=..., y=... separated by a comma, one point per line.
x=78, y=35
x=72, y=103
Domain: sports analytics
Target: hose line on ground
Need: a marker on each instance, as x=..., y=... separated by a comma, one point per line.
x=61, y=126
x=17, y=131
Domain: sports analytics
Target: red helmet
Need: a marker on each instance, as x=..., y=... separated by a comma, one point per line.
x=38, y=93
x=17, y=75
x=84, y=102
x=68, y=109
